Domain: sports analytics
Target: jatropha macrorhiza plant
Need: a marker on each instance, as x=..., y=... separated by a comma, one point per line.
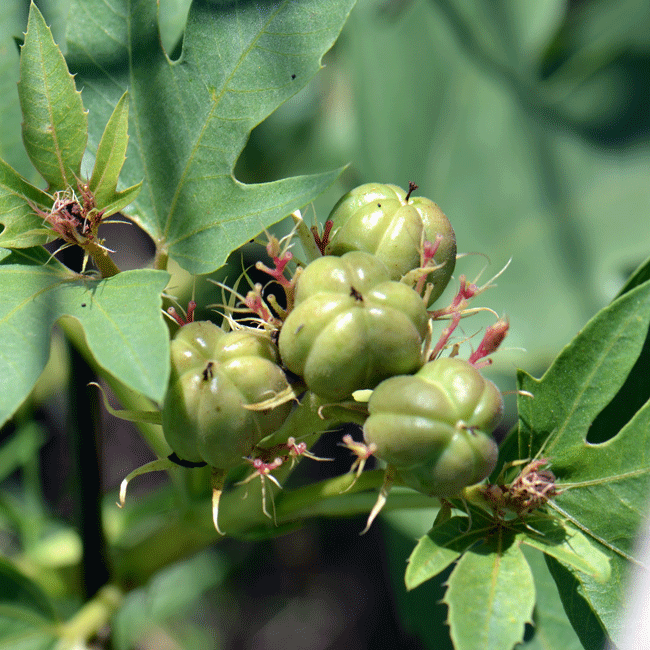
x=348, y=322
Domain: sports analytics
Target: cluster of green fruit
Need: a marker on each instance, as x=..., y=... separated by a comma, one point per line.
x=358, y=317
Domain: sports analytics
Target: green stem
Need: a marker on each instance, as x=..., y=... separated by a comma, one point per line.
x=160, y=260
x=101, y=258
x=191, y=530
x=90, y=619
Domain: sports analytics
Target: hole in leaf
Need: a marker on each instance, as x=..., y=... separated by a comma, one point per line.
x=133, y=247
x=172, y=19
x=634, y=393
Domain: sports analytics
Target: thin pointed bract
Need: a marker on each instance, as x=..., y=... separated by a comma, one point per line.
x=153, y=466
x=389, y=478
x=153, y=417
x=217, y=479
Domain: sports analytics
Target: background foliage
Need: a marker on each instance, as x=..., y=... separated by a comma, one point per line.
x=526, y=122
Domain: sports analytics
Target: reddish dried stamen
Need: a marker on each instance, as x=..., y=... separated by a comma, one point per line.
x=492, y=339
x=323, y=240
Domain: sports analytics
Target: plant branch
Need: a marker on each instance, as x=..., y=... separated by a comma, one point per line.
x=191, y=530
x=160, y=260
x=90, y=619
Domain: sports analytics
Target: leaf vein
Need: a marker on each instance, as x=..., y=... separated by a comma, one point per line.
x=212, y=112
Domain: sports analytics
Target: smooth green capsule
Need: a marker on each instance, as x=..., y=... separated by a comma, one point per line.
x=215, y=375
x=379, y=218
x=434, y=427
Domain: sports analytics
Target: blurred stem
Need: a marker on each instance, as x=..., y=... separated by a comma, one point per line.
x=90, y=619
x=31, y=526
x=84, y=413
x=33, y=500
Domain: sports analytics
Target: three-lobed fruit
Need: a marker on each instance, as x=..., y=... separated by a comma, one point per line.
x=433, y=427
x=215, y=375
x=383, y=220
x=351, y=326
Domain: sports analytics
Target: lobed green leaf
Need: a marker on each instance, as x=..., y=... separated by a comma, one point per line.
x=190, y=118
x=583, y=379
x=55, y=125
x=604, y=487
x=444, y=544
x=120, y=316
x=551, y=628
x=491, y=596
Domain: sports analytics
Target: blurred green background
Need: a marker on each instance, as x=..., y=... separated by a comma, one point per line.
x=528, y=122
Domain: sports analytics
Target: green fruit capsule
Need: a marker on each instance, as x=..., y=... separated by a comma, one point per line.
x=351, y=326
x=433, y=427
x=215, y=375
x=380, y=219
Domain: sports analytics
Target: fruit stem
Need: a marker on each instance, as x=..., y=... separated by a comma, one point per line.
x=412, y=188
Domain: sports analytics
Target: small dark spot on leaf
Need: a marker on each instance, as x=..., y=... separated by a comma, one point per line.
x=379, y=205
x=293, y=76
x=83, y=304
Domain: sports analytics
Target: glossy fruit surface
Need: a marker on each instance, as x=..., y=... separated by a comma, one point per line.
x=214, y=375
x=434, y=426
x=379, y=219
x=351, y=327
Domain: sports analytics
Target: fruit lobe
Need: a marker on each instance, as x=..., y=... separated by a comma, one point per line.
x=434, y=426
x=215, y=374
x=378, y=218
x=351, y=327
